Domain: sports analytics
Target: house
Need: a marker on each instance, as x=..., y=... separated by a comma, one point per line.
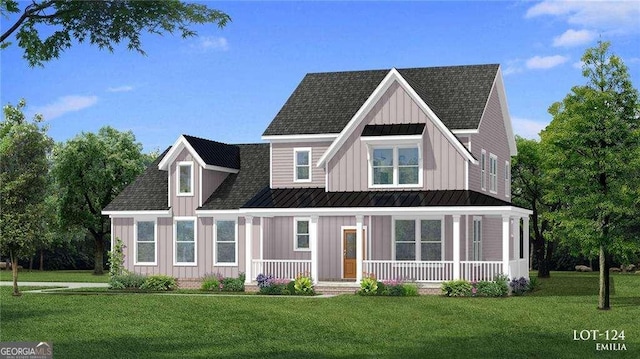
x=403, y=173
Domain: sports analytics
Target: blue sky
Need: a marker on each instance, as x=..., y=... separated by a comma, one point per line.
x=228, y=84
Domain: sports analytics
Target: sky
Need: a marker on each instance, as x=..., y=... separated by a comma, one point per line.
x=228, y=84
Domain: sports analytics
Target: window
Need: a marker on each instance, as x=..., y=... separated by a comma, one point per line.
x=431, y=240
x=185, y=241
x=493, y=173
x=477, y=238
x=145, y=232
x=395, y=166
x=302, y=164
x=507, y=179
x=185, y=179
x=226, y=242
x=483, y=170
x=301, y=234
x=418, y=240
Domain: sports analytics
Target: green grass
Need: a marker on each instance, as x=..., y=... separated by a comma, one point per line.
x=539, y=325
x=55, y=276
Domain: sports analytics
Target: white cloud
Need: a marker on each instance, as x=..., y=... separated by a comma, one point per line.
x=125, y=88
x=527, y=128
x=210, y=43
x=546, y=62
x=578, y=65
x=610, y=15
x=65, y=105
x=574, y=38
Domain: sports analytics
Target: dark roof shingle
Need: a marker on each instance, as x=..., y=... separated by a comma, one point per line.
x=215, y=153
x=401, y=129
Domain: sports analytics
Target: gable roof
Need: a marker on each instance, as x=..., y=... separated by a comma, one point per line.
x=326, y=102
x=209, y=154
x=240, y=187
x=148, y=192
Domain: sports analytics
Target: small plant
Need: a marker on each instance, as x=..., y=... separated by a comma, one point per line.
x=410, y=290
x=127, y=281
x=218, y=283
x=212, y=282
x=159, y=283
x=230, y=284
x=533, y=284
x=303, y=285
x=269, y=285
x=519, y=286
x=393, y=288
x=368, y=285
x=456, y=288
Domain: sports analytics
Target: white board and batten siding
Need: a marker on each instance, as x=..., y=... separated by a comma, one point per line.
x=443, y=165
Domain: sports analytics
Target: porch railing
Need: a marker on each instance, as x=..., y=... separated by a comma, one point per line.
x=476, y=271
x=281, y=268
x=409, y=270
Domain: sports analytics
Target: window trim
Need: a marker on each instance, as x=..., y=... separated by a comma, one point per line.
x=295, y=234
x=483, y=170
x=493, y=174
x=195, y=241
x=296, y=165
x=396, y=173
x=507, y=179
x=476, y=219
x=135, y=242
x=215, y=242
x=191, y=183
x=418, y=239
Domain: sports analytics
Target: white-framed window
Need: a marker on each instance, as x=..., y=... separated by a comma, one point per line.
x=418, y=239
x=145, y=242
x=477, y=238
x=226, y=242
x=184, y=185
x=184, y=241
x=507, y=179
x=493, y=173
x=301, y=234
x=395, y=166
x=483, y=170
x=302, y=164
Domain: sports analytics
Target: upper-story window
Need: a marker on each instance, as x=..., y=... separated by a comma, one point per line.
x=185, y=179
x=302, y=164
x=395, y=166
x=483, y=170
x=493, y=173
x=507, y=179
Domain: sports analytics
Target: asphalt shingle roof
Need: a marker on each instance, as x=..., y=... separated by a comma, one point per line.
x=240, y=187
x=393, y=130
x=148, y=192
x=215, y=153
x=325, y=102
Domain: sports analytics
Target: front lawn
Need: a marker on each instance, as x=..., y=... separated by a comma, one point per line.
x=540, y=325
x=85, y=276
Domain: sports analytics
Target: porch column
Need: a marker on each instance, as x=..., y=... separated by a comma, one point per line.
x=516, y=245
x=313, y=245
x=248, y=248
x=505, y=244
x=359, y=248
x=456, y=246
x=525, y=242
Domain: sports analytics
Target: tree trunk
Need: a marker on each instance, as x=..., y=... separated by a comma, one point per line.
x=603, y=297
x=42, y=259
x=14, y=271
x=31, y=264
x=98, y=268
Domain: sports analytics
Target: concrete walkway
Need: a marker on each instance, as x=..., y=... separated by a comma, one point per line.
x=65, y=285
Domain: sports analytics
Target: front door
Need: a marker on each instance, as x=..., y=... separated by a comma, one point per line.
x=349, y=253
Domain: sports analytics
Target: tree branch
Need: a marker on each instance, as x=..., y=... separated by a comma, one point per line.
x=29, y=11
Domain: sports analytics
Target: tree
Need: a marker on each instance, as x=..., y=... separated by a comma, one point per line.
x=24, y=147
x=90, y=170
x=528, y=190
x=593, y=148
x=103, y=23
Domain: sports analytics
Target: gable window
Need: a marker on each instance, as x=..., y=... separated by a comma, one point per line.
x=483, y=170
x=418, y=240
x=226, y=242
x=185, y=179
x=477, y=238
x=395, y=166
x=302, y=164
x=507, y=179
x=493, y=173
x=301, y=234
x=145, y=242
x=184, y=243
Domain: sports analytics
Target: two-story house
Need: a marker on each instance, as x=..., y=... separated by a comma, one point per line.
x=403, y=173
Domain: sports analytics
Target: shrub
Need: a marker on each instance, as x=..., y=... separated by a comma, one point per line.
x=212, y=282
x=230, y=284
x=393, y=288
x=127, y=281
x=519, y=286
x=303, y=285
x=159, y=283
x=410, y=290
x=218, y=283
x=368, y=285
x=456, y=288
x=533, y=284
x=116, y=259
